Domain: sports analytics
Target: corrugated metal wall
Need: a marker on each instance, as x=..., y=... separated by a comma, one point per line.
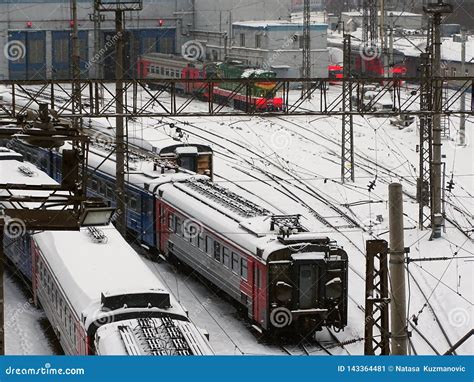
x=31, y=63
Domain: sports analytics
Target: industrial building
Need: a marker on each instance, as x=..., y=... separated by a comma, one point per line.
x=277, y=45
x=37, y=36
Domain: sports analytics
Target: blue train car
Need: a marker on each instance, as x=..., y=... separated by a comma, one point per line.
x=26, y=55
x=140, y=212
x=140, y=203
x=18, y=251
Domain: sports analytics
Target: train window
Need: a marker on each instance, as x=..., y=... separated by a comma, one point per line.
x=226, y=257
x=235, y=262
x=109, y=192
x=242, y=39
x=201, y=242
x=162, y=70
x=167, y=72
x=133, y=204
x=102, y=188
x=217, y=251
x=44, y=162
x=209, y=245
x=243, y=268
x=170, y=222
x=178, y=226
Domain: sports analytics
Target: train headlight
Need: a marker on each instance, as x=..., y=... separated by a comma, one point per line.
x=283, y=291
x=334, y=288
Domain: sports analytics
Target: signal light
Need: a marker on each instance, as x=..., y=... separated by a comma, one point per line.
x=161, y=22
x=29, y=24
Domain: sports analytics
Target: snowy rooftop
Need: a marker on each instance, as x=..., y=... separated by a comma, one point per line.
x=269, y=24
x=394, y=13
x=412, y=45
x=86, y=269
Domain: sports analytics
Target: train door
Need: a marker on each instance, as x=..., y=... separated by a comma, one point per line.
x=308, y=281
x=148, y=219
x=259, y=293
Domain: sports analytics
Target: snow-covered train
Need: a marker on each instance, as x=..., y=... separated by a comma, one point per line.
x=262, y=96
x=96, y=292
x=287, y=279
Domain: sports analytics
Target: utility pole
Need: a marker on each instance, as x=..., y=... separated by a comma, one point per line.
x=76, y=62
x=307, y=49
x=437, y=10
x=119, y=9
x=370, y=22
x=391, y=61
x=462, y=124
x=377, y=331
x=397, y=271
x=347, y=144
x=383, y=39
x=97, y=18
x=119, y=126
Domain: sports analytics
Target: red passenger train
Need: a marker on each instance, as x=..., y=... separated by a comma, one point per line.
x=260, y=96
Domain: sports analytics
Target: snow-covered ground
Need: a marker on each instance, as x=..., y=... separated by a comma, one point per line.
x=292, y=165
x=24, y=332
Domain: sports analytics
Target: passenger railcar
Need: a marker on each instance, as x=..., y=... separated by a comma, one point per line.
x=98, y=295
x=286, y=277
x=261, y=96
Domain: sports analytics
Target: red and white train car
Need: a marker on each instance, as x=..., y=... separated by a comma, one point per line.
x=288, y=279
x=101, y=298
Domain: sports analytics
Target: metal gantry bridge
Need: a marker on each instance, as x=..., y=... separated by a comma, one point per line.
x=98, y=98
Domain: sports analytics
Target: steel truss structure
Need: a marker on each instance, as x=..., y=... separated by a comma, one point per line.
x=67, y=199
x=377, y=332
x=168, y=102
x=347, y=147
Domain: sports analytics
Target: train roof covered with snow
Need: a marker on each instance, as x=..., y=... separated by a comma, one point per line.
x=253, y=228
